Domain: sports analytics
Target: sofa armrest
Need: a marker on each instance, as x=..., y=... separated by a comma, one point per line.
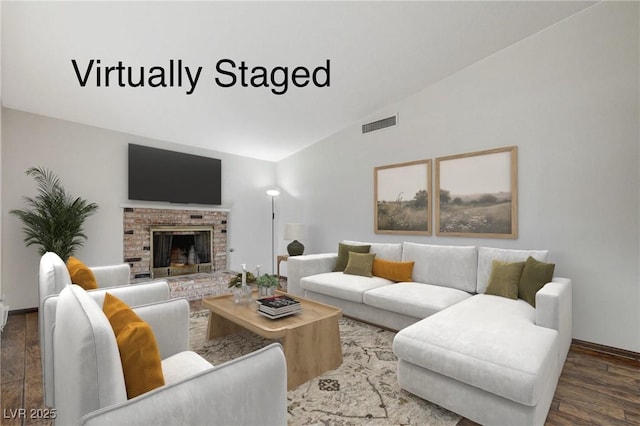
x=302, y=266
x=112, y=275
x=133, y=295
x=170, y=324
x=554, y=308
x=250, y=390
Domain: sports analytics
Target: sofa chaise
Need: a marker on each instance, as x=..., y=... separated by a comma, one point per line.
x=492, y=359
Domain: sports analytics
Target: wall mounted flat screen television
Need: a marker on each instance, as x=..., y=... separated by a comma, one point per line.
x=161, y=175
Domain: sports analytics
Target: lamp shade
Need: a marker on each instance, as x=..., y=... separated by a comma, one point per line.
x=293, y=231
x=273, y=192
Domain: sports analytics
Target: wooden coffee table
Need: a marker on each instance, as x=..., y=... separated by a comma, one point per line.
x=310, y=339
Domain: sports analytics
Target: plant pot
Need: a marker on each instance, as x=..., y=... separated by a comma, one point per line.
x=266, y=291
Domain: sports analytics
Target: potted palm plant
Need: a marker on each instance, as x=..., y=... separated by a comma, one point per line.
x=53, y=219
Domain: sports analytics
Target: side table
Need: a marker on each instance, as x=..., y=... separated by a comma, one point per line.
x=281, y=258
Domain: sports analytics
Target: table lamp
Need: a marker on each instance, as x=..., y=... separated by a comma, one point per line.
x=294, y=231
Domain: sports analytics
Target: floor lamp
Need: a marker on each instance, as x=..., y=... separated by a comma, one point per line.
x=273, y=193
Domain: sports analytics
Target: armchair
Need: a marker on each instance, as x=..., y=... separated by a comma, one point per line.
x=90, y=387
x=53, y=277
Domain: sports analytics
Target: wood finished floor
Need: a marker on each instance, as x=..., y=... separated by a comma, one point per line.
x=594, y=389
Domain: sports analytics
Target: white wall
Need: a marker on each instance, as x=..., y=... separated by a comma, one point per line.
x=568, y=98
x=92, y=163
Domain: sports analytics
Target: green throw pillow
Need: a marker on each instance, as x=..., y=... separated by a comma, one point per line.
x=534, y=276
x=504, y=278
x=360, y=264
x=343, y=254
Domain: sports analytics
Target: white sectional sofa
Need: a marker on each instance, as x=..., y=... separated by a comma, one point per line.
x=491, y=359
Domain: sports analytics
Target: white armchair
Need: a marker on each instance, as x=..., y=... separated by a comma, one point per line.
x=90, y=387
x=53, y=277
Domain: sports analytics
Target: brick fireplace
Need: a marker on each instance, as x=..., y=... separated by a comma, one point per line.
x=195, y=260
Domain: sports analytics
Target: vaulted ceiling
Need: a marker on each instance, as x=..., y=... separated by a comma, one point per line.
x=377, y=53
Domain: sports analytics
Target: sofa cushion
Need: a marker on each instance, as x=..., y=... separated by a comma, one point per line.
x=534, y=276
x=504, y=279
x=485, y=341
x=394, y=271
x=414, y=299
x=487, y=254
x=390, y=251
x=343, y=254
x=448, y=266
x=360, y=264
x=342, y=286
x=182, y=365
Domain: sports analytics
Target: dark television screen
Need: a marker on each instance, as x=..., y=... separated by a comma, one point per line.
x=161, y=175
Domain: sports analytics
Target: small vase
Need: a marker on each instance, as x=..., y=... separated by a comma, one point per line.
x=242, y=294
x=265, y=291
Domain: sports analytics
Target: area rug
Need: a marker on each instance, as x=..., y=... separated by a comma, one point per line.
x=363, y=390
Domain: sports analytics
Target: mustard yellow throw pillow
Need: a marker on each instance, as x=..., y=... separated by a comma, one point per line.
x=81, y=274
x=138, y=348
x=394, y=271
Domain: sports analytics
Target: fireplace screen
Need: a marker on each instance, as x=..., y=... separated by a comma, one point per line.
x=180, y=251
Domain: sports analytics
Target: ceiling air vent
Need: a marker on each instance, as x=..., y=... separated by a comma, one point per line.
x=380, y=124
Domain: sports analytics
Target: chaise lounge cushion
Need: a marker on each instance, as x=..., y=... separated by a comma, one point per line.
x=414, y=299
x=488, y=342
x=341, y=285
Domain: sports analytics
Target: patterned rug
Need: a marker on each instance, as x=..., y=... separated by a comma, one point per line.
x=363, y=390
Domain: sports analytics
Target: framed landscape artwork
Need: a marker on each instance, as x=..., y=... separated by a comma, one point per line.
x=403, y=198
x=477, y=194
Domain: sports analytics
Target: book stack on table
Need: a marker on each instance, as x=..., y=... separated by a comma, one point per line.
x=278, y=306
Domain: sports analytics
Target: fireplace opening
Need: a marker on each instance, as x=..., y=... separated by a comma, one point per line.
x=180, y=251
